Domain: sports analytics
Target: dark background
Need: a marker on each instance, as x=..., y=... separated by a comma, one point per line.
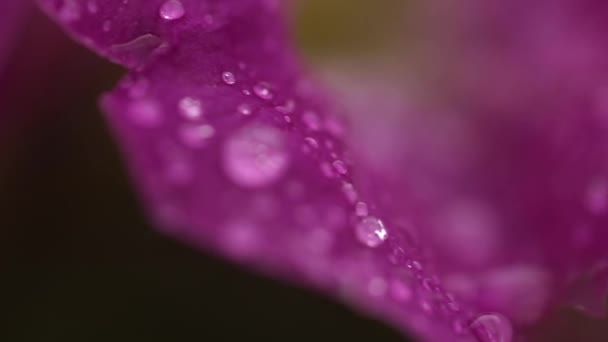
x=78, y=260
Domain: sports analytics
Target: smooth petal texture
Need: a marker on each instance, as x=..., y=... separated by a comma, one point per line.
x=235, y=150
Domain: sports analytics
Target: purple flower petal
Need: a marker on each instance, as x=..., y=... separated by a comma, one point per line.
x=234, y=149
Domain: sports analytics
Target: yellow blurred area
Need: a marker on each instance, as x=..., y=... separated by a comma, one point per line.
x=335, y=28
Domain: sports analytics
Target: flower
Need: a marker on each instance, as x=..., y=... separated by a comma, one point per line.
x=466, y=215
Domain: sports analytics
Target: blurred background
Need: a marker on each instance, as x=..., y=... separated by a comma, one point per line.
x=78, y=259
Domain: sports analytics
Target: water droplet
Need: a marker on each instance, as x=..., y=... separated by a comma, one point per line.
x=256, y=156
x=228, y=78
x=262, y=90
x=493, y=328
x=172, y=10
x=287, y=108
x=340, y=167
x=361, y=209
x=244, y=109
x=371, y=232
x=349, y=192
x=190, y=108
x=312, y=142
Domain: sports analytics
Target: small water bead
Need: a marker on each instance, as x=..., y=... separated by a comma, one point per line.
x=361, y=209
x=312, y=142
x=256, y=156
x=190, y=108
x=228, y=78
x=340, y=167
x=371, y=232
x=287, y=108
x=493, y=328
x=349, y=191
x=262, y=90
x=172, y=10
x=244, y=109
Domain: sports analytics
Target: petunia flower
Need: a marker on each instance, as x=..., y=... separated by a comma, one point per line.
x=473, y=212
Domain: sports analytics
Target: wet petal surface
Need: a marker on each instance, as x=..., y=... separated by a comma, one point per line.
x=234, y=149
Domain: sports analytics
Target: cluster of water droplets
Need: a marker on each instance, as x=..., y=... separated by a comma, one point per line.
x=258, y=155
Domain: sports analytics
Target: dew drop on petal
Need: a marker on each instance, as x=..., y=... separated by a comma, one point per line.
x=312, y=142
x=340, y=167
x=493, y=328
x=244, y=109
x=255, y=156
x=172, y=10
x=190, y=108
x=361, y=209
x=228, y=78
x=350, y=192
x=371, y=232
x=262, y=90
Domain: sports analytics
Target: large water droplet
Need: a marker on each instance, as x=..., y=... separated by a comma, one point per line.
x=361, y=209
x=245, y=109
x=493, y=328
x=255, y=156
x=228, y=78
x=340, y=167
x=262, y=90
x=371, y=232
x=190, y=108
x=172, y=10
